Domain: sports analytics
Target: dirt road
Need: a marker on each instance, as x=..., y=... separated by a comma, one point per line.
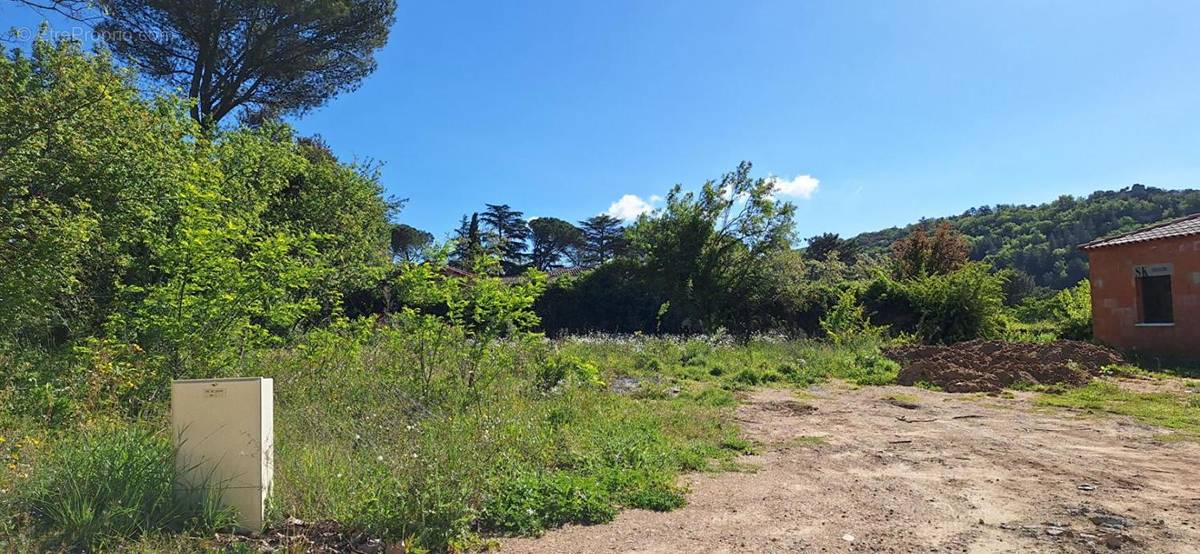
x=954, y=473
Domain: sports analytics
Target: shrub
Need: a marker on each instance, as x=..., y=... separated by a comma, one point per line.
x=565, y=368
x=529, y=503
x=1071, y=311
x=115, y=483
x=846, y=320
x=962, y=305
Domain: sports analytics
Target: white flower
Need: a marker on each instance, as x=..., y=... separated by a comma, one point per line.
x=378, y=458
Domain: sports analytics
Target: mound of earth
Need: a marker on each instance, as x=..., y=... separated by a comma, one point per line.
x=984, y=366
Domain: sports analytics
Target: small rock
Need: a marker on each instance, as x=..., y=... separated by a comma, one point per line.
x=1111, y=521
x=1086, y=487
x=848, y=537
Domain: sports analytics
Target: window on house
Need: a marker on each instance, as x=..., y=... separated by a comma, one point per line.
x=1154, y=295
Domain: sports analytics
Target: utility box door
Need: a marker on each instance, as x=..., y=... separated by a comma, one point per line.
x=224, y=432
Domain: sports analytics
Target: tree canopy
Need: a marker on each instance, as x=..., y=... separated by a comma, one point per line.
x=268, y=57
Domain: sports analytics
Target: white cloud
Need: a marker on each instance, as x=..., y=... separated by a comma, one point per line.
x=802, y=186
x=630, y=206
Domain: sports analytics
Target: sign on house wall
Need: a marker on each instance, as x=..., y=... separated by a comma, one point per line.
x=1153, y=270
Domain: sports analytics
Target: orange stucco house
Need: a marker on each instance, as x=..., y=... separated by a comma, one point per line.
x=1146, y=289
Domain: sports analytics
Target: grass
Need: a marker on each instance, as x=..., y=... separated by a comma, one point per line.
x=441, y=447
x=1177, y=411
x=721, y=362
x=109, y=484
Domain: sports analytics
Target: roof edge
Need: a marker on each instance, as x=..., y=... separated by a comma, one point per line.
x=1099, y=243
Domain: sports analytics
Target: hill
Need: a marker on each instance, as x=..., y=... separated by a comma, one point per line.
x=1041, y=241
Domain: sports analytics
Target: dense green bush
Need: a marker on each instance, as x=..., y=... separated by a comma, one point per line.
x=961, y=305
x=120, y=219
x=1065, y=314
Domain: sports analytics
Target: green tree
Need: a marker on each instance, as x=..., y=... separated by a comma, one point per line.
x=468, y=243
x=603, y=239
x=87, y=166
x=554, y=241
x=822, y=246
x=120, y=219
x=272, y=57
x=708, y=251
x=408, y=242
x=507, y=232
x=343, y=205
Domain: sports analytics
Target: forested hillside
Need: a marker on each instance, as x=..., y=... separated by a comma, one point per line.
x=1041, y=241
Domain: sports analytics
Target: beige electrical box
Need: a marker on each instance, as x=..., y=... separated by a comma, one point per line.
x=224, y=431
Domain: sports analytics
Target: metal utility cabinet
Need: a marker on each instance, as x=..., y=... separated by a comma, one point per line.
x=224, y=432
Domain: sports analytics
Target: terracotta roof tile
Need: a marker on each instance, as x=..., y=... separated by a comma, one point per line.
x=1184, y=226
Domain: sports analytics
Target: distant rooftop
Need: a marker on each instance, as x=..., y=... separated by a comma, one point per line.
x=1181, y=227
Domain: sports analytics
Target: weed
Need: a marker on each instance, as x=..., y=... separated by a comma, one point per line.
x=115, y=483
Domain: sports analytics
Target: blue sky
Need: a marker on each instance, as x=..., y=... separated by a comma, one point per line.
x=897, y=109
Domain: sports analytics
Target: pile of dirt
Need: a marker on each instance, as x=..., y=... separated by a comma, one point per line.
x=984, y=366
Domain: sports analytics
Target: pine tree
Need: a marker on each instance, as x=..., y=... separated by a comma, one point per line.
x=507, y=232
x=603, y=240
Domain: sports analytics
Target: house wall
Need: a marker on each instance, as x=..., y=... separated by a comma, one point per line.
x=1115, y=302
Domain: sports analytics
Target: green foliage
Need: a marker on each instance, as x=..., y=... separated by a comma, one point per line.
x=603, y=239
x=704, y=252
x=1066, y=314
x=274, y=58
x=828, y=245
x=564, y=368
x=121, y=220
x=358, y=442
x=529, y=503
x=1042, y=240
x=694, y=365
x=408, y=244
x=961, y=305
x=505, y=234
x=553, y=241
x=847, y=320
x=114, y=483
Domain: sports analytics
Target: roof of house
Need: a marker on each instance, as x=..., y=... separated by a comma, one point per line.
x=1181, y=227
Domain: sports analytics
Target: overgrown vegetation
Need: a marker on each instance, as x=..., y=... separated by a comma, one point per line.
x=1040, y=242
x=418, y=398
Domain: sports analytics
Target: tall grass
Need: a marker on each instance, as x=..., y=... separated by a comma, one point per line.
x=721, y=361
x=358, y=441
x=423, y=437
x=114, y=483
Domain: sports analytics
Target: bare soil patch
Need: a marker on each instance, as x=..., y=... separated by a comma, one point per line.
x=958, y=473
x=981, y=365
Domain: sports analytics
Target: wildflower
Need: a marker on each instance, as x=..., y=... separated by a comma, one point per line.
x=3, y=440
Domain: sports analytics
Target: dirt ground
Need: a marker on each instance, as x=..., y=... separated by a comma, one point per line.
x=946, y=473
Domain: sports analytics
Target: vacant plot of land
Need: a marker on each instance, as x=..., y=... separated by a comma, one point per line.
x=896, y=469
